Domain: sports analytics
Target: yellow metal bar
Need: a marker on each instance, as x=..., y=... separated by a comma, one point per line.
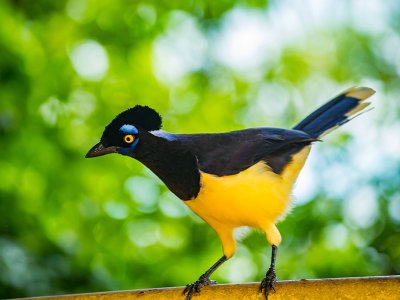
x=387, y=288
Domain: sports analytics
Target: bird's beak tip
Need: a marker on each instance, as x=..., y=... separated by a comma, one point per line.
x=99, y=149
x=88, y=155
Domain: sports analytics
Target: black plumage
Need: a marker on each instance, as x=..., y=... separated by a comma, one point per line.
x=173, y=163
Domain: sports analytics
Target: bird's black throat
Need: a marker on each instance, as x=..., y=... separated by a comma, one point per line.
x=173, y=163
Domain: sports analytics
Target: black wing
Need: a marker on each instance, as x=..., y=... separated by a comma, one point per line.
x=232, y=152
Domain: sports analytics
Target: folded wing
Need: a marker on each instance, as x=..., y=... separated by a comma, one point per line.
x=232, y=152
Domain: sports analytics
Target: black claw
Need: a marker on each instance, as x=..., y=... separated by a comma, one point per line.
x=268, y=282
x=186, y=289
x=195, y=287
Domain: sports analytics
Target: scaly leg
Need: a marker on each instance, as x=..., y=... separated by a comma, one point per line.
x=203, y=279
x=268, y=282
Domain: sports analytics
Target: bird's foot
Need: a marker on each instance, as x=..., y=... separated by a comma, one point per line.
x=195, y=287
x=268, y=282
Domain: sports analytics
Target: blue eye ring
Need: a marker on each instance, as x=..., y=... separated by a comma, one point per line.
x=129, y=138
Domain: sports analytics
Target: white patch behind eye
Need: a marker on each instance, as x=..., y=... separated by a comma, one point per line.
x=163, y=134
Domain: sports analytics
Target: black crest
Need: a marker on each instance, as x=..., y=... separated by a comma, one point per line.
x=142, y=117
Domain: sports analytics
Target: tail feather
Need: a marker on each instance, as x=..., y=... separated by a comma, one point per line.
x=335, y=112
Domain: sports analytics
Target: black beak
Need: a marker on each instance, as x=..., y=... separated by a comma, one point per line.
x=99, y=149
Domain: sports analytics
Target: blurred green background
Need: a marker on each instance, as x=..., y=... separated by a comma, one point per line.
x=68, y=224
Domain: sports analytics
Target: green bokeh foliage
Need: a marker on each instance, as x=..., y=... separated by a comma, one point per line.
x=73, y=225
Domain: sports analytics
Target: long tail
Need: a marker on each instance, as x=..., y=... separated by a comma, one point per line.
x=336, y=112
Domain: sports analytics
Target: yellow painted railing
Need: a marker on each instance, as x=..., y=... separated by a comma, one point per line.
x=362, y=288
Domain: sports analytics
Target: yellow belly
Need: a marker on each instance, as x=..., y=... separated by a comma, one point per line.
x=243, y=199
x=255, y=197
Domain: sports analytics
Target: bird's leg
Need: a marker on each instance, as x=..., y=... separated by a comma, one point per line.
x=268, y=282
x=203, y=280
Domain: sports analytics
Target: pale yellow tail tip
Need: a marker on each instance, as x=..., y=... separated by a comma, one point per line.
x=357, y=109
x=360, y=93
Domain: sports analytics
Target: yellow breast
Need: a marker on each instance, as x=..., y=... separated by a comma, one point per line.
x=252, y=197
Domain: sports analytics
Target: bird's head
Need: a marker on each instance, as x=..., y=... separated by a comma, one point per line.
x=123, y=134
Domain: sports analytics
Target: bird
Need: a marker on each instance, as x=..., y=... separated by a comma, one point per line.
x=230, y=179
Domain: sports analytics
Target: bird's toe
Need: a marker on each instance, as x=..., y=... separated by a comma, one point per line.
x=268, y=283
x=195, y=287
